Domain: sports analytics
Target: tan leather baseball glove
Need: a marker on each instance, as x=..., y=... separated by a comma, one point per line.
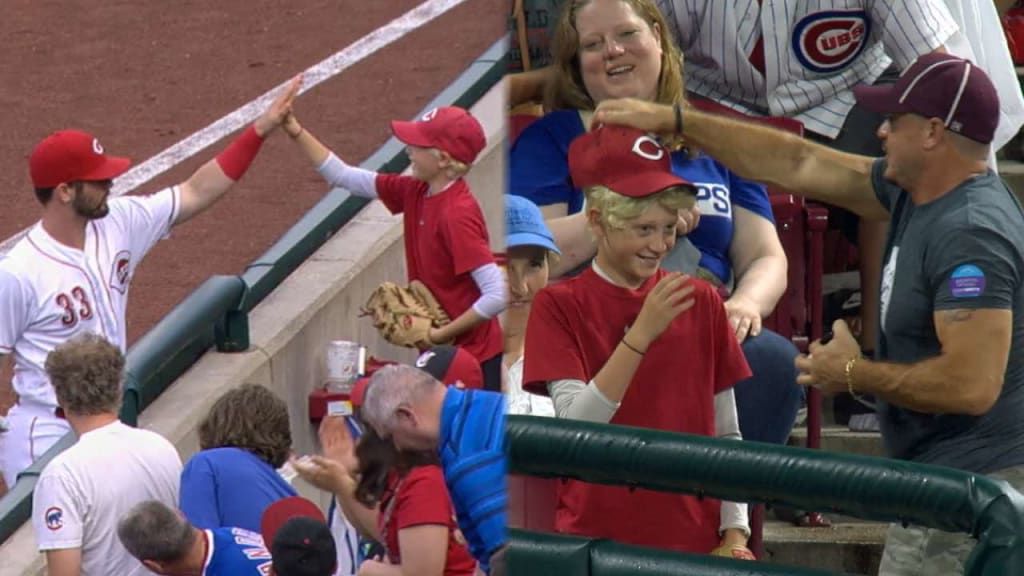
x=404, y=315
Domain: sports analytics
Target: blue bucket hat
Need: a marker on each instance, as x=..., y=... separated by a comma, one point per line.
x=524, y=225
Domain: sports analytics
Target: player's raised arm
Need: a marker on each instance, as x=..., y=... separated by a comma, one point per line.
x=213, y=179
x=759, y=153
x=334, y=170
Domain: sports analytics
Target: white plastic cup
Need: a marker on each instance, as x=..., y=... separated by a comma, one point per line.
x=344, y=364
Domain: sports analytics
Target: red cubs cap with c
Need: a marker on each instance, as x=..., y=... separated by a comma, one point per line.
x=450, y=365
x=72, y=155
x=940, y=86
x=448, y=128
x=625, y=160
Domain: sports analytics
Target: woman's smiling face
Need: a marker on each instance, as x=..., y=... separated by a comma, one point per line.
x=619, y=52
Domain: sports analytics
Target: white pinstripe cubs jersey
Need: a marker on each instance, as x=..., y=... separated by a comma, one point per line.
x=815, y=51
x=50, y=292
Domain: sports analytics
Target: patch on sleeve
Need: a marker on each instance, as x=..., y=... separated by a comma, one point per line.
x=54, y=518
x=967, y=281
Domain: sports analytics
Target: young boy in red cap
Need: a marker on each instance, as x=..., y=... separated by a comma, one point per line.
x=447, y=246
x=662, y=354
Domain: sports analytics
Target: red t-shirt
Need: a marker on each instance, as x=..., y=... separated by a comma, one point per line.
x=423, y=499
x=573, y=328
x=445, y=240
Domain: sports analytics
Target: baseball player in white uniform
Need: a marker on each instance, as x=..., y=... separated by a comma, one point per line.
x=72, y=272
x=83, y=492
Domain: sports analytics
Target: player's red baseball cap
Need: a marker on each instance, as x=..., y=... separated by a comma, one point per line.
x=72, y=155
x=452, y=365
x=625, y=160
x=296, y=534
x=940, y=86
x=448, y=128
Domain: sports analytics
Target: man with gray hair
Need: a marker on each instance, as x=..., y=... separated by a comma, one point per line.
x=166, y=543
x=84, y=490
x=467, y=428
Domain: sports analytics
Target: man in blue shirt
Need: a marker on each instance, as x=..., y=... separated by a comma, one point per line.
x=165, y=542
x=467, y=428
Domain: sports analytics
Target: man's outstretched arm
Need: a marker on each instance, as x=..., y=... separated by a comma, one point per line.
x=760, y=153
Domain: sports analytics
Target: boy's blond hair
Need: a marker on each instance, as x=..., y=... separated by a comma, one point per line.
x=458, y=169
x=616, y=209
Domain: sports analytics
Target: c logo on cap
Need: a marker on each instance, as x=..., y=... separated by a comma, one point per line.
x=429, y=115
x=638, y=148
x=96, y=146
x=424, y=358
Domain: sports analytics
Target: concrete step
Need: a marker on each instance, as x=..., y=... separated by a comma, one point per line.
x=848, y=546
x=836, y=438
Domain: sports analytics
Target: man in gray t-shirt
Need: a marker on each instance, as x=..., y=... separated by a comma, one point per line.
x=949, y=369
x=947, y=260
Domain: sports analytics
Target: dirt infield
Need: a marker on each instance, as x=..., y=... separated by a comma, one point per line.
x=142, y=78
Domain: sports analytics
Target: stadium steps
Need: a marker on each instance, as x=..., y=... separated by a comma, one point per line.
x=849, y=545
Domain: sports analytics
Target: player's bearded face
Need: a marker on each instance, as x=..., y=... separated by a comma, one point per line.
x=90, y=200
x=633, y=253
x=619, y=52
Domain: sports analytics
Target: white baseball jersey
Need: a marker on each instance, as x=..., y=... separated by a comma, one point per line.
x=49, y=292
x=84, y=491
x=815, y=51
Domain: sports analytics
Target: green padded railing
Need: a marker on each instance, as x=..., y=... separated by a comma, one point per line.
x=215, y=313
x=864, y=487
x=177, y=342
x=540, y=554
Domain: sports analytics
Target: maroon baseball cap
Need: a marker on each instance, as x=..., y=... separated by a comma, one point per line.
x=626, y=160
x=71, y=155
x=941, y=86
x=449, y=128
x=295, y=532
x=451, y=365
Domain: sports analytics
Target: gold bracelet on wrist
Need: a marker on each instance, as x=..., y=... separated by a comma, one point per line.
x=849, y=373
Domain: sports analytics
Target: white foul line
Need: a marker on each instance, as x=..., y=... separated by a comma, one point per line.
x=314, y=75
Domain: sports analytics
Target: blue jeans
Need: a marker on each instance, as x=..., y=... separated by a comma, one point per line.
x=767, y=402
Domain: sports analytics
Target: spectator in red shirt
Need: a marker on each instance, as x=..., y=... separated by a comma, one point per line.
x=400, y=499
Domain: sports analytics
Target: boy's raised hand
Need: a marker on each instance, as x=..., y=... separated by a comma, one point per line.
x=275, y=114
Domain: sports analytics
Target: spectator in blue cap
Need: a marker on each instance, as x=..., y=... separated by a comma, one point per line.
x=531, y=251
